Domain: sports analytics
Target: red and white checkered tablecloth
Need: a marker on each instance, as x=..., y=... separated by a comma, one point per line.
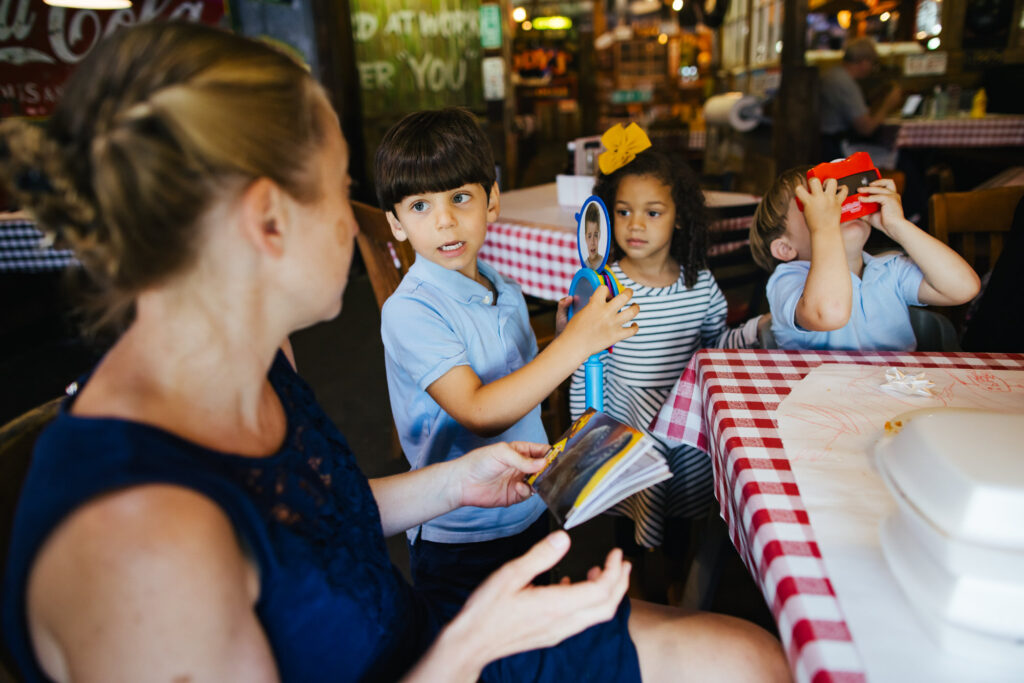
x=995, y=131
x=725, y=403
x=544, y=260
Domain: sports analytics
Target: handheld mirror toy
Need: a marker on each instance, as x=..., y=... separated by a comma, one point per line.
x=593, y=242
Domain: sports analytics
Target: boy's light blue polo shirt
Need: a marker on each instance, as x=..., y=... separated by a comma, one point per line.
x=436, y=320
x=879, y=319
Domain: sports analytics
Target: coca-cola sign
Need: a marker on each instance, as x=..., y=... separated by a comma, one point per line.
x=40, y=45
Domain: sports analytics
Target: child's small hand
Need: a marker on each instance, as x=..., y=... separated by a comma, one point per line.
x=889, y=216
x=823, y=204
x=562, y=314
x=603, y=321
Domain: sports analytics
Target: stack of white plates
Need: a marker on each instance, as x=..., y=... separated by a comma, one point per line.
x=955, y=543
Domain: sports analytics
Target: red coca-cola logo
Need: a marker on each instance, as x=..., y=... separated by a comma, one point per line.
x=40, y=45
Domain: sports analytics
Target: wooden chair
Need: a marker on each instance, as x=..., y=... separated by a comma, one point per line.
x=973, y=223
x=899, y=178
x=387, y=261
x=17, y=439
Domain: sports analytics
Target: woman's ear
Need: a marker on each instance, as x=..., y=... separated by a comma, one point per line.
x=396, y=227
x=262, y=217
x=781, y=249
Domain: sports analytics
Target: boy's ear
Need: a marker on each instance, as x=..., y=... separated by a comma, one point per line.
x=781, y=249
x=396, y=228
x=262, y=217
x=493, y=203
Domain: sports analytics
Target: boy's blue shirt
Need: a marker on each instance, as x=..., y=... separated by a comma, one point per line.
x=436, y=320
x=879, y=319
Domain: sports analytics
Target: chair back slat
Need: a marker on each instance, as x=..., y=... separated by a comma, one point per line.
x=17, y=440
x=386, y=259
x=973, y=222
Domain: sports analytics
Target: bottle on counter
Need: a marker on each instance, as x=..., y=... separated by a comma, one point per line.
x=979, y=104
x=940, y=104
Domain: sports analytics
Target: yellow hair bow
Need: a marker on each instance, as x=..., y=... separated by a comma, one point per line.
x=621, y=146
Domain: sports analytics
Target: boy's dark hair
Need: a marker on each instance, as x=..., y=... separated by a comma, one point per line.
x=592, y=214
x=690, y=241
x=432, y=151
x=769, y=222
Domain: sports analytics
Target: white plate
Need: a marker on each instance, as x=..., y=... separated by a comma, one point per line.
x=962, y=469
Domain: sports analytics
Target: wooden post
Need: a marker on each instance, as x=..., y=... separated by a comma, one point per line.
x=796, y=121
x=338, y=73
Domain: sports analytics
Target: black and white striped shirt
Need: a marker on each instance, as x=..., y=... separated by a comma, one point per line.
x=639, y=373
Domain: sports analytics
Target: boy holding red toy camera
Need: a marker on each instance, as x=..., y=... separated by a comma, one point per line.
x=825, y=291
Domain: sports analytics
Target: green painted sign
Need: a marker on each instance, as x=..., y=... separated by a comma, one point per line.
x=417, y=54
x=490, y=27
x=631, y=96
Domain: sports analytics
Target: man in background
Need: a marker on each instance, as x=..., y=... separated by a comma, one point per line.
x=844, y=112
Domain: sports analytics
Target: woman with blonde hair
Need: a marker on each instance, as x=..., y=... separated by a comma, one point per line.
x=191, y=513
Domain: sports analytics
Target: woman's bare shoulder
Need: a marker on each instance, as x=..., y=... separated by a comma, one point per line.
x=140, y=574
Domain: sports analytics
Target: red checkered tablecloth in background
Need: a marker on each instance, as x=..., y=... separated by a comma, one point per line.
x=725, y=403
x=544, y=260
x=997, y=131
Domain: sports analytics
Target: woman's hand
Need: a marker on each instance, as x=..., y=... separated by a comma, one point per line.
x=493, y=476
x=507, y=614
x=823, y=204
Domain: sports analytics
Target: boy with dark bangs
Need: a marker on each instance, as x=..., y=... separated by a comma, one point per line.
x=462, y=362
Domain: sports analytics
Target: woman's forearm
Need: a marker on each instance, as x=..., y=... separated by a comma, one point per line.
x=408, y=499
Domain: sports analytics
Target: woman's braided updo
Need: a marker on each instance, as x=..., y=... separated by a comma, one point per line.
x=155, y=125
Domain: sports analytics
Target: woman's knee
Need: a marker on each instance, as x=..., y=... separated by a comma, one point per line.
x=678, y=646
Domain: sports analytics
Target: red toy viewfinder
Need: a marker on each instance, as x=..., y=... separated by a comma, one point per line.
x=854, y=172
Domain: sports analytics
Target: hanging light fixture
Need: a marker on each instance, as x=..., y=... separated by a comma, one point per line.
x=90, y=4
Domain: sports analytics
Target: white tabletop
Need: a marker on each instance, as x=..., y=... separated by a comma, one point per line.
x=538, y=206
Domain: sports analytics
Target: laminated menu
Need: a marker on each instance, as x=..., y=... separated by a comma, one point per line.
x=598, y=462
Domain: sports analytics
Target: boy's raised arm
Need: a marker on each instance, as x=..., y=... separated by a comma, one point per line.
x=489, y=409
x=828, y=292
x=948, y=279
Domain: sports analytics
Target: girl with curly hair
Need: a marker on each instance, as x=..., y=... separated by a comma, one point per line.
x=659, y=250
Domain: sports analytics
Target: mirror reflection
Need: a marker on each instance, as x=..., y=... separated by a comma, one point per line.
x=593, y=235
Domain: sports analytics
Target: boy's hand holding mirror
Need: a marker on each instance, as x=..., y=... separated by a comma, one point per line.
x=603, y=321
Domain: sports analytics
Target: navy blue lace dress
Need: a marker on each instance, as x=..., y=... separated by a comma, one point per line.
x=331, y=603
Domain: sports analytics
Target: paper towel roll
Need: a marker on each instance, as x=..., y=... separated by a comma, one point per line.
x=742, y=112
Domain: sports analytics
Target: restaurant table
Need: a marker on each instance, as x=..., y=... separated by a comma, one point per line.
x=996, y=130
x=533, y=241
x=725, y=403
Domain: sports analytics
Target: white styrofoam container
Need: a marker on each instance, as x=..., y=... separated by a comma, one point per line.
x=960, y=558
x=955, y=542
x=962, y=470
x=968, y=616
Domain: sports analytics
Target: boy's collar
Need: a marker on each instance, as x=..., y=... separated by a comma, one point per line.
x=455, y=284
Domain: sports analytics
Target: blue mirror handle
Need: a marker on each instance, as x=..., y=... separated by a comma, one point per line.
x=594, y=370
